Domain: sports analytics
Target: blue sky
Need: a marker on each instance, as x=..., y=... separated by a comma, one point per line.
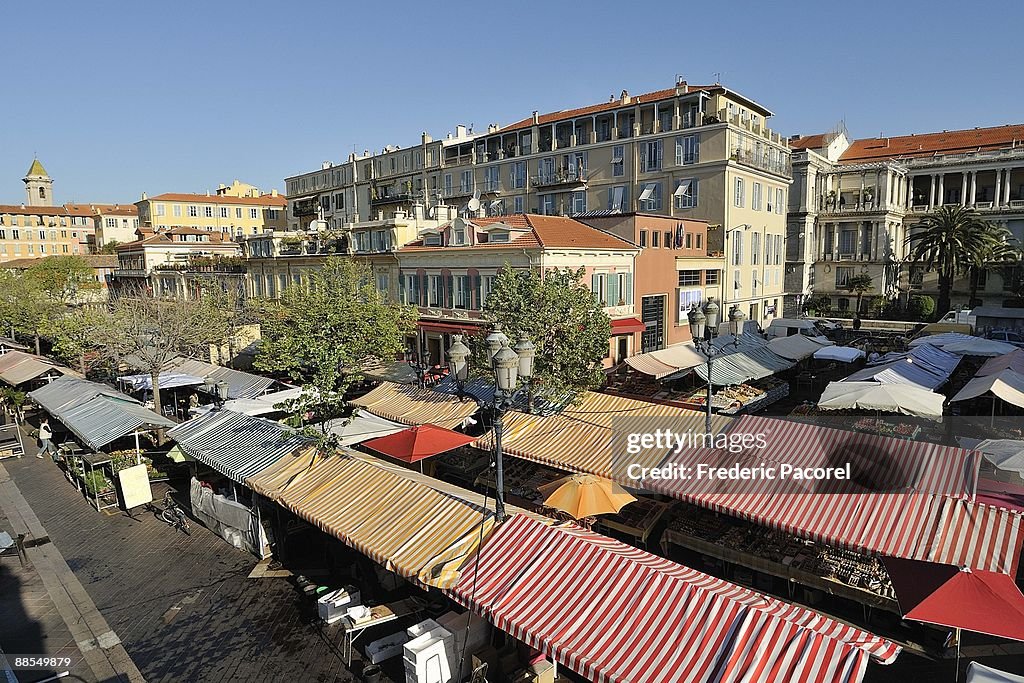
x=117, y=98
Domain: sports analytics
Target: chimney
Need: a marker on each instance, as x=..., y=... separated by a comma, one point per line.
x=207, y=193
x=536, y=117
x=681, y=87
x=624, y=97
x=144, y=197
x=273, y=192
x=221, y=186
x=424, y=138
x=460, y=131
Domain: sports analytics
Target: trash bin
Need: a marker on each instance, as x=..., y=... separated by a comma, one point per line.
x=371, y=673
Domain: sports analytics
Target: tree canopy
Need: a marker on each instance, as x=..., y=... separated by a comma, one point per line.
x=560, y=315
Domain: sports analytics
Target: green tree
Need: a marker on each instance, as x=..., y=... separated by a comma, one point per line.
x=998, y=253
x=77, y=333
x=859, y=285
x=562, y=318
x=65, y=280
x=921, y=306
x=949, y=241
x=29, y=307
x=322, y=331
x=110, y=247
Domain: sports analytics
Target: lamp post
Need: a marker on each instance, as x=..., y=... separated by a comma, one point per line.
x=509, y=367
x=702, y=329
x=414, y=358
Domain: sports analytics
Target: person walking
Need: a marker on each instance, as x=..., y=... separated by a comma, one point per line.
x=45, y=443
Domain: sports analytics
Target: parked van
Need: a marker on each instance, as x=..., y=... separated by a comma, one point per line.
x=962, y=317
x=787, y=327
x=940, y=328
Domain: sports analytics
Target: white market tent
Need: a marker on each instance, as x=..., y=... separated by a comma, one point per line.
x=904, y=399
x=798, y=346
x=1007, y=385
x=168, y=380
x=1012, y=361
x=260, y=405
x=979, y=673
x=924, y=366
x=964, y=344
x=844, y=354
x=1006, y=454
x=664, y=362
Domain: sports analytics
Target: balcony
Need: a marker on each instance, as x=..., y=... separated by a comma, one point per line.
x=129, y=273
x=762, y=162
x=391, y=198
x=560, y=178
x=491, y=187
x=455, y=192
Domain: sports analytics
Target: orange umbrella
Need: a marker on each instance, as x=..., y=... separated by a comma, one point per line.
x=584, y=495
x=416, y=443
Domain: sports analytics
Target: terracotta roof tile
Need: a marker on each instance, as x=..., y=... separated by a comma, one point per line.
x=262, y=200
x=929, y=144
x=808, y=141
x=545, y=232
x=17, y=209
x=646, y=98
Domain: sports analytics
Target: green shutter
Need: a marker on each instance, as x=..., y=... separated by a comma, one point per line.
x=612, y=290
x=594, y=279
x=449, y=294
x=627, y=288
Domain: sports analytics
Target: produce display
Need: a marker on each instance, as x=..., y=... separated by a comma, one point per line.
x=522, y=479
x=900, y=430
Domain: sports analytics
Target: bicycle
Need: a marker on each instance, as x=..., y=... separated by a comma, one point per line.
x=174, y=515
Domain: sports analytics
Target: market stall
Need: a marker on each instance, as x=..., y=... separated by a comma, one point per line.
x=925, y=366
x=798, y=347
x=21, y=369
x=412, y=405
x=964, y=344
x=842, y=354
x=905, y=399
x=638, y=520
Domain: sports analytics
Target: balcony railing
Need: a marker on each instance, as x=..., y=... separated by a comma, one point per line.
x=130, y=272
x=569, y=177
x=391, y=198
x=763, y=162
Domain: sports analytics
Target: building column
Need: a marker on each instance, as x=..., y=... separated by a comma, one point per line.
x=860, y=195
x=941, y=199
x=878, y=188
x=593, y=129
x=974, y=188
x=963, y=189
x=997, y=195
x=931, y=192
x=1006, y=187
x=909, y=199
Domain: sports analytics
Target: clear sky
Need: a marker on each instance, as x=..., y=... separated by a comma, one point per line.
x=117, y=98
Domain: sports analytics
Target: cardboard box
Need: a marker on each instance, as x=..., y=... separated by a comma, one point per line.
x=335, y=604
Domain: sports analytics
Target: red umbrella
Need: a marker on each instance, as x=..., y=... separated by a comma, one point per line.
x=416, y=443
x=942, y=594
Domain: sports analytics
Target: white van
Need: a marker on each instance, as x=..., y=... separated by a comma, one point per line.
x=962, y=317
x=787, y=327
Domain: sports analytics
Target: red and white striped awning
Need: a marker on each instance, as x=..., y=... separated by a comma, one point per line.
x=930, y=515
x=612, y=612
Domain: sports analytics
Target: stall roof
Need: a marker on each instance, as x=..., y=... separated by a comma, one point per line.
x=168, y=380
x=236, y=445
x=798, y=346
x=925, y=366
x=95, y=413
x=1013, y=360
x=611, y=612
x=362, y=426
x=1007, y=385
x=965, y=344
x=667, y=361
x=905, y=399
x=240, y=384
x=744, y=365
x=844, y=354
x=1006, y=454
x=412, y=405
x=260, y=405
x=412, y=529
x=398, y=372
x=8, y=343
x=17, y=367
x=922, y=506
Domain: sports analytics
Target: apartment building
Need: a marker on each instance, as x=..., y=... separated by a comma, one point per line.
x=234, y=211
x=37, y=231
x=854, y=203
x=113, y=222
x=175, y=261
x=449, y=271
x=686, y=152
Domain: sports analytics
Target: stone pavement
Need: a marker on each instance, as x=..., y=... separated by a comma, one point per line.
x=182, y=606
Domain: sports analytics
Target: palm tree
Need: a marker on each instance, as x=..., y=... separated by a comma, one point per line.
x=859, y=285
x=1003, y=252
x=950, y=241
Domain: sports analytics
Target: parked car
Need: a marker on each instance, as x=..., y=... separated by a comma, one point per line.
x=1008, y=336
x=787, y=327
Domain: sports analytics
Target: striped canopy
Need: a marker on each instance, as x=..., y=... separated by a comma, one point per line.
x=611, y=612
x=415, y=406
x=409, y=528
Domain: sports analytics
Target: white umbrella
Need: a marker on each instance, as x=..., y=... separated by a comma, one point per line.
x=890, y=398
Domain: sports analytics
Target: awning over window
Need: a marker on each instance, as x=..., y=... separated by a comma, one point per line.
x=627, y=326
x=647, y=192
x=409, y=528
x=611, y=612
x=684, y=188
x=413, y=406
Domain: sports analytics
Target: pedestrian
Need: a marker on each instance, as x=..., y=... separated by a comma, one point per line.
x=45, y=443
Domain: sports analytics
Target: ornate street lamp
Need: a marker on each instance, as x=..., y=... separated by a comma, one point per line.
x=702, y=329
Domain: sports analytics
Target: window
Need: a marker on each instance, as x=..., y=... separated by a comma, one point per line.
x=42, y=234
x=547, y=204
x=711, y=277
x=650, y=156
x=410, y=293
x=579, y=201
x=778, y=200
x=177, y=210
x=63, y=248
x=435, y=290
x=15, y=234
x=755, y=197
x=847, y=241
x=517, y=177
x=689, y=277
x=650, y=198
x=272, y=214
x=685, y=196
x=738, y=192
x=466, y=181
x=618, y=162
x=461, y=291
x=110, y=223
x=3, y=234
x=448, y=184
x=655, y=239
x=598, y=287
x=491, y=179
x=737, y=248
x=383, y=284
x=208, y=211
x=517, y=205
x=486, y=285
x=618, y=198
x=643, y=238
x=687, y=150
x=160, y=209
x=668, y=240
x=223, y=212
x=254, y=213
x=843, y=275
x=193, y=211
x=755, y=247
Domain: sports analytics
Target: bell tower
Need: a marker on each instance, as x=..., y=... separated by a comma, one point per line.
x=38, y=185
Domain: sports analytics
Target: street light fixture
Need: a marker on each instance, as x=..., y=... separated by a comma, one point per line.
x=702, y=329
x=414, y=357
x=510, y=366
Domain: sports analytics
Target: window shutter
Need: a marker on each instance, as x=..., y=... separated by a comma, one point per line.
x=679, y=151
x=449, y=295
x=643, y=157
x=595, y=286
x=627, y=288
x=612, y=290
x=424, y=290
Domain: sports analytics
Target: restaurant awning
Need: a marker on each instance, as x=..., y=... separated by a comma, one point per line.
x=667, y=361
x=611, y=612
x=410, y=528
x=978, y=601
x=905, y=399
x=418, y=443
x=907, y=499
x=627, y=326
x=843, y=354
x=236, y=445
x=1007, y=385
x=17, y=367
x=412, y=405
x=95, y=413
x=797, y=346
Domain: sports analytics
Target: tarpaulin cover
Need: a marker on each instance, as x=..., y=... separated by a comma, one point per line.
x=1008, y=361
x=979, y=673
x=17, y=367
x=973, y=600
x=844, y=354
x=612, y=612
x=924, y=366
x=964, y=344
x=664, y=362
x=168, y=380
x=798, y=346
x=1006, y=384
x=360, y=427
x=905, y=399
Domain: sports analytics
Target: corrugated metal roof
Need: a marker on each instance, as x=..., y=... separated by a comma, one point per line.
x=17, y=367
x=236, y=445
x=240, y=384
x=95, y=413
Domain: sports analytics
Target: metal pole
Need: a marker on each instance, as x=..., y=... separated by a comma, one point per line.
x=707, y=418
x=956, y=674
x=499, y=473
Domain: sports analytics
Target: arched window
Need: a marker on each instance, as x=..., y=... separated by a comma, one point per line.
x=42, y=193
